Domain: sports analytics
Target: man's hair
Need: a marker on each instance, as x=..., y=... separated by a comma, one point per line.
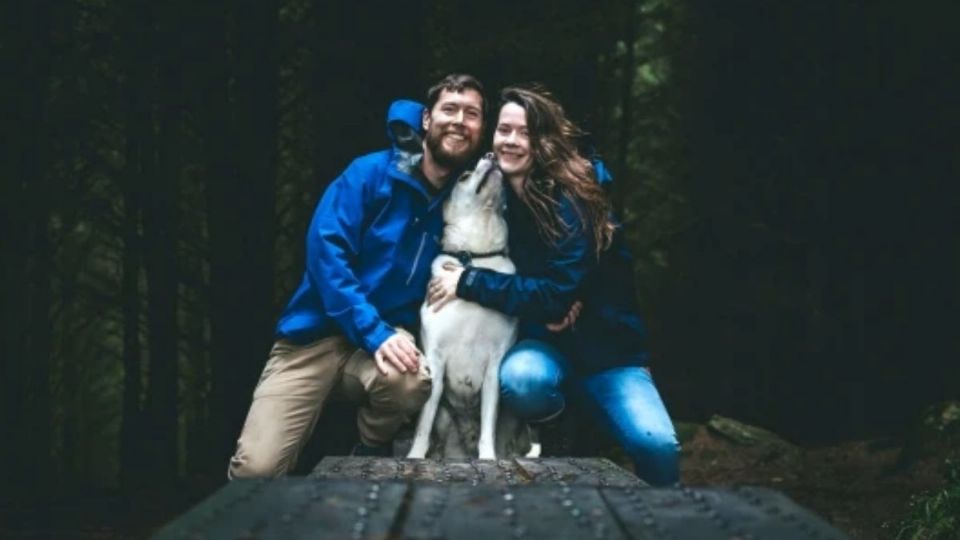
x=456, y=82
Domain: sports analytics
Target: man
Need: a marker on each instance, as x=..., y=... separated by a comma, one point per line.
x=370, y=244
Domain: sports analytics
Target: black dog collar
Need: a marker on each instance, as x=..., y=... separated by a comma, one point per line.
x=466, y=257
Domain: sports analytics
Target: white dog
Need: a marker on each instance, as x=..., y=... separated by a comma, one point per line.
x=464, y=342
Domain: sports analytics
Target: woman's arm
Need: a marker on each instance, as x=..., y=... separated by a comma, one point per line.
x=543, y=298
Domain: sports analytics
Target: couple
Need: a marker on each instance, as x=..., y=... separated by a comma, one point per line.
x=370, y=245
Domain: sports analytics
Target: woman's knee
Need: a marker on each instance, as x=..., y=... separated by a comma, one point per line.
x=531, y=376
x=656, y=456
x=631, y=405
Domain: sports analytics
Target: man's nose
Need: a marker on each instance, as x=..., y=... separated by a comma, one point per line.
x=458, y=118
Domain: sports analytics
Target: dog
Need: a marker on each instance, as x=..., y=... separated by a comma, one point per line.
x=464, y=342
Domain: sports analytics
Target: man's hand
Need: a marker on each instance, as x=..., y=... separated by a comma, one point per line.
x=399, y=351
x=443, y=287
x=568, y=320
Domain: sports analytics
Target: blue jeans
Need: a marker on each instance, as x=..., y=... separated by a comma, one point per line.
x=532, y=381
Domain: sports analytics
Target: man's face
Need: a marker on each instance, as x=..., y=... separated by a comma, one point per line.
x=454, y=126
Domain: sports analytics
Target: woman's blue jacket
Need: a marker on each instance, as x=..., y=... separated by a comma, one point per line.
x=609, y=332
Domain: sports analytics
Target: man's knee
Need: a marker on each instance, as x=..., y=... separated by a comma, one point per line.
x=405, y=392
x=255, y=465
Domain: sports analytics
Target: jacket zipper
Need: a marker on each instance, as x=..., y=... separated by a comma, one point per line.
x=416, y=260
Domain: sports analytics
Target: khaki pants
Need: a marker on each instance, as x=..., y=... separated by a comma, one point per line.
x=293, y=389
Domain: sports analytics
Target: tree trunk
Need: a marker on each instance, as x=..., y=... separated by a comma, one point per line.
x=16, y=162
x=160, y=257
x=216, y=127
x=257, y=81
x=618, y=193
x=26, y=418
x=240, y=219
x=139, y=149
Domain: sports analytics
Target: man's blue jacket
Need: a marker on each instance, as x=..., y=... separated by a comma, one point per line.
x=370, y=244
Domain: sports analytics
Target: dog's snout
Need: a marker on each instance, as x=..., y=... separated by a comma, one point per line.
x=492, y=159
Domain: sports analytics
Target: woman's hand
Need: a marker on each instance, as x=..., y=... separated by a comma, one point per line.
x=443, y=287
x=569, y=320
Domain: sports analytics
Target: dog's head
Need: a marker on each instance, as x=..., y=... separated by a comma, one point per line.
x=474, y=212
x=479, y=190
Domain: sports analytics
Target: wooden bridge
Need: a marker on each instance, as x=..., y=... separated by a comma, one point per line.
x=550, y=498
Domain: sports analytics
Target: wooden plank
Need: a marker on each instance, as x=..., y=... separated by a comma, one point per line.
x=292, y=508
x=710, y=513
x=553, y=498
x=575, y=471
x=578, y=471
x=363, y=468
x=337, y=509
x=487, y=512
x=425, y=470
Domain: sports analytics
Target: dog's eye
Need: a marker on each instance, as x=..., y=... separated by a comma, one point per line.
x=464, y=176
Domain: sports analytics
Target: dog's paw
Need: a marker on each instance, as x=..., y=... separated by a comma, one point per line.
x=417, y=452
x=486, y=451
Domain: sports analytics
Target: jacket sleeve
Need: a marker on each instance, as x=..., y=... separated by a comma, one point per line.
x=544, y=298
x=333, y=247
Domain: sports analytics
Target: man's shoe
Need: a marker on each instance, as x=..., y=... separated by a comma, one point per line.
x=363, y=450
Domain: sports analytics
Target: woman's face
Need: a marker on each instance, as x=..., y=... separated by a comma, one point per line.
x=511, y=142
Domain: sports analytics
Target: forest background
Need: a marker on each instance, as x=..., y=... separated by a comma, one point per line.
x=786, y=171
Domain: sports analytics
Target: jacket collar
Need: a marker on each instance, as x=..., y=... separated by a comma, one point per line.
x=405, y=168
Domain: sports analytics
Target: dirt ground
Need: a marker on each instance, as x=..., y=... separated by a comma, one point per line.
x=856, y=486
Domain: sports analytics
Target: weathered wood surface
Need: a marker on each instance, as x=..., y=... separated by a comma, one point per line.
x=377, y=498
x=574, y=471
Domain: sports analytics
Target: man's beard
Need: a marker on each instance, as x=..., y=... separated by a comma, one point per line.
x=446, y=159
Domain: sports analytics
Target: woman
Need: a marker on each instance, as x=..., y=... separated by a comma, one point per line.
x=563, y=244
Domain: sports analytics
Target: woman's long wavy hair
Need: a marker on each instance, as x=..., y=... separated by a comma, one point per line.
x=559, y=170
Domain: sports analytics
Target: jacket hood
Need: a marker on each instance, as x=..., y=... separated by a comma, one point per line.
x=404, y=128
x=602, y=172
x=404, y=121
